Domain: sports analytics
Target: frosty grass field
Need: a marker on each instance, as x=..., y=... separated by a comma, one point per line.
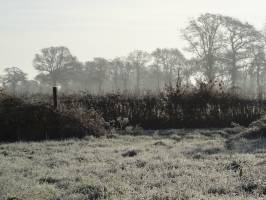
x=180, y=164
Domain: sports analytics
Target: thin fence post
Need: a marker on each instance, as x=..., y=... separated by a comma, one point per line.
x=55, y=97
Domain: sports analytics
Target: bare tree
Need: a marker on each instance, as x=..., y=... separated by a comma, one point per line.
x=138, y=59
x=172, y=62
x=116, y=65
x=205, y=42
x=157, y=73
x=258, y=66
x=121, y=71
x=54, y=62
x=13, y=76
x=98, y=70
x=239, y=36
x=125, y=73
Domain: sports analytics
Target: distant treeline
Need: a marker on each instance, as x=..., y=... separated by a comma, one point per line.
x=220, y=48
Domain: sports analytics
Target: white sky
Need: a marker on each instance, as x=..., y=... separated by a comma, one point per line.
x=106, y=28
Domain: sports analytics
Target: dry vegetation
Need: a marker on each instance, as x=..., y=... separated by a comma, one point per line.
x=173, y=164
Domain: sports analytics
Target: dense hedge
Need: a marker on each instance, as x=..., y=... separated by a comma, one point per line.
x=174, y=109
x=78, y=115
x=31, y=122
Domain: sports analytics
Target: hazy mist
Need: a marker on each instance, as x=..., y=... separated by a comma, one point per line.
x=104, y=28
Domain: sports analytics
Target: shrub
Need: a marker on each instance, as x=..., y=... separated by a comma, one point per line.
x=25, y=121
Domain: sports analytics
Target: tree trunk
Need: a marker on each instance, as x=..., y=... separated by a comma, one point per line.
x=116, y=82
x=13, y=88
x=171, y=77
x=125, y=83
x=259, y=91
x=210, y=68
x=138, y=80
x=158, y=82
x=100, y=87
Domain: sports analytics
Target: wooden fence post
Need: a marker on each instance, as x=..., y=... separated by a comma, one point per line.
x=55, y=97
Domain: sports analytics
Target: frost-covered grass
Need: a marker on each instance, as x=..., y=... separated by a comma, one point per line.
x=180, y=165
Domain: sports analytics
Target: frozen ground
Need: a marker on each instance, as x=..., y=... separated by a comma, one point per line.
x=181, y=164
